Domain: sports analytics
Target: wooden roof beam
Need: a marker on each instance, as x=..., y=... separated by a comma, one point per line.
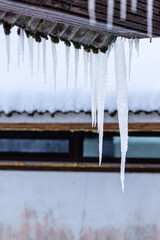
x=70, y=14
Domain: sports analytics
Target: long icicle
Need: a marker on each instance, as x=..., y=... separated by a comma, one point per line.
x=94, y=80
x=22, y=43
x=134, y=6
x=8, y=51
x=31, y=52
x=149, y=17
x=102, y=83
x=67, y=64
x=54, y=56
x=110, y=13
x=19, y=48
x=44, y=59
x=76, y=65
x=38, y=54
x=85, y=64
x=130, y=41
x=122, y=106
x=91, y=10
x=123, y=9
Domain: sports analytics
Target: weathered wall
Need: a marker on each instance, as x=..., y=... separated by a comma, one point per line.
x=65, y=205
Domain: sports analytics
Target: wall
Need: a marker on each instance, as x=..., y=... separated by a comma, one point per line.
x=78, y=206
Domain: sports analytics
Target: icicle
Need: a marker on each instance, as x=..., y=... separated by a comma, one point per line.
x=134, y=6
x=121, y=89
x=44, y=58
x=8, y=51
x=123, y=9
x=38, y=54
x=91, y=10
x=67, y=63
x=102, y=82
x=54, y=56
x=22, y=43
x=19, y=48
x=76, y=65
x=94, y=76
x=31, y=52
x=130, y=41
x=149, y=17
x=110, y=12
x=85, y=63
x=136, y=43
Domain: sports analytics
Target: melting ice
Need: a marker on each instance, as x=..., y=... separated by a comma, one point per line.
x=122, y=107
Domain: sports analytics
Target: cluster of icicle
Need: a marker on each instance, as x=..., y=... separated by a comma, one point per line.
x=95, y=67
x=120, y=70
x=123, y=12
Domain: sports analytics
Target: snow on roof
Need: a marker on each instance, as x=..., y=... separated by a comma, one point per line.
x=22, y=91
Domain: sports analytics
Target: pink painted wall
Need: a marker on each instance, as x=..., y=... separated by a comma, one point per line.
x=78, y=206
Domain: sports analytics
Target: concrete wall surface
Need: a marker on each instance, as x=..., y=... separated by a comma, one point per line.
x=78, y=206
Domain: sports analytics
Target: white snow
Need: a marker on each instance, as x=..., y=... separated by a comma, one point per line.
x=91, y=10
x=149, y=17
x=122, y=107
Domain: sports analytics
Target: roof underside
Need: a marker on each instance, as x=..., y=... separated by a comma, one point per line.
x=69, y=20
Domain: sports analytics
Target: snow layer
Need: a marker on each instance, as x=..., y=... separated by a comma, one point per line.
x=21, y=91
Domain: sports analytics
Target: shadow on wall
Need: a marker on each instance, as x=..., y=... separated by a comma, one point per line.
x=34, y=228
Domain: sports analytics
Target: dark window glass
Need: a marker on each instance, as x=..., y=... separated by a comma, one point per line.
x=138, y=147
x=34, y=145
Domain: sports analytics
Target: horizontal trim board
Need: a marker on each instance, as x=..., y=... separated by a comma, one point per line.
x=77, y=126
x=75, y=167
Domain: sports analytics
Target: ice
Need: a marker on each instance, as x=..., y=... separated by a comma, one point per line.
x=102, y=83
x=54, y=57
x=136, y=43
x=76, y=65
x=110, y=12
x=130, y=41
x=122, y=107
x=149, y=17
x=8, y=50
x=38, y=54
x=123, y=9
x=85, y=64
x=134, y=6
x=91, y=10
x=19, y=49
x=22, y=43
x=94, y=78
x=44, y=58
x=31, y=52
x=67, y=63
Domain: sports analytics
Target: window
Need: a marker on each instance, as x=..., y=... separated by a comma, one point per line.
x=76, y=148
